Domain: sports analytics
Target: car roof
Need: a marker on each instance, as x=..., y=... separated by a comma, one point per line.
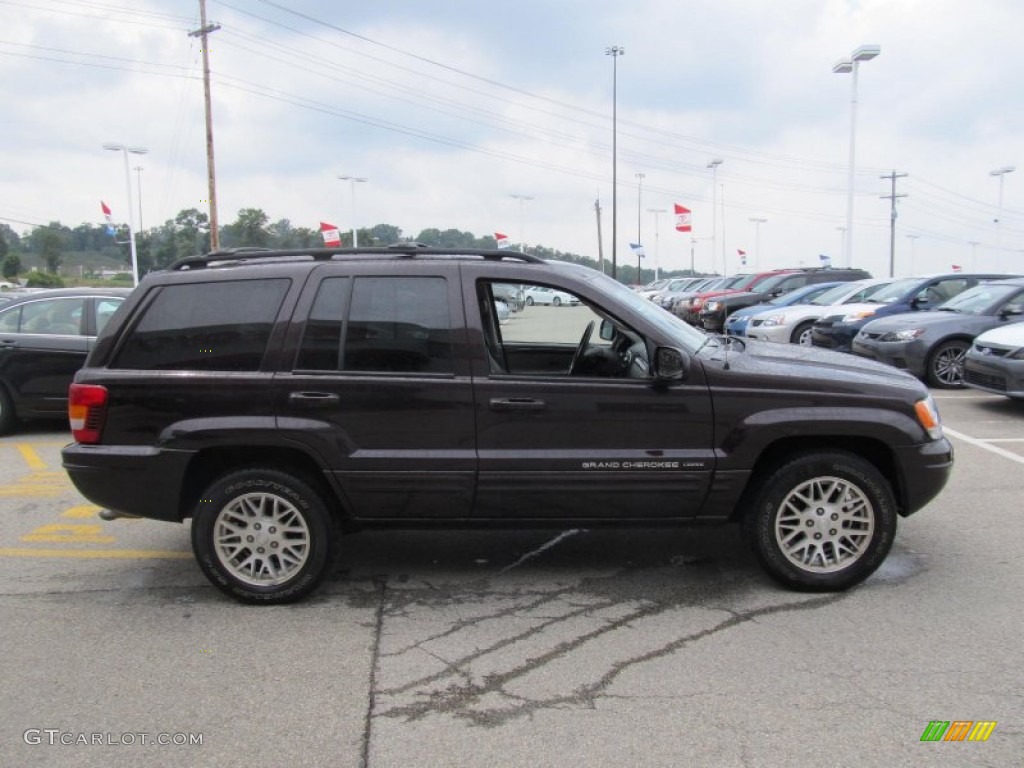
x=54, y=293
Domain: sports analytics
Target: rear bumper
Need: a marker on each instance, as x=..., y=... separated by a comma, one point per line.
x=133, y=480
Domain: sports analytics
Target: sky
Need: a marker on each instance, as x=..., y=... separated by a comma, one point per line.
x=502, y=117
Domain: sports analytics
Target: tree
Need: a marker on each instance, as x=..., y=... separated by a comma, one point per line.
x=10, y=236
x=249, y=229
x=50, y=242
x=11, y=265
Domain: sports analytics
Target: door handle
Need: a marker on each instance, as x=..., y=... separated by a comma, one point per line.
x=517, y=404
x=8, y=344
x=314, y=399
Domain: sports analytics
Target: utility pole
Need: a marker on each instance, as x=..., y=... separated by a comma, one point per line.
x=600, y=245
x=892, y=220
x=204, y=30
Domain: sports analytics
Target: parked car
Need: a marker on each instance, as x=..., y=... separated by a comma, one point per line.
x=736, y=322
x=911, y=294
x=44, y=339
x=712, y=315
x=683, y=306
x=678, y=300
x=268, y=396
x=793, y=324
x=932, y=345
x=742, y=284
x=542, y=294
x=995, y=362
x=669, y=293
x=652, y=287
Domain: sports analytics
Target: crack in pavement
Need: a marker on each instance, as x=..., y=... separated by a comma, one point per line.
x=460, y=699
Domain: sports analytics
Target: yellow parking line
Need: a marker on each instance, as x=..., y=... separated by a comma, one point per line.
x=98, y=554
x=28, y=453
x=81, y=512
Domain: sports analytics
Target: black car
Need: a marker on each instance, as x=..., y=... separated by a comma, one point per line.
x=277, y=398
x=910, y=294
x=713, y=313
x=932, y=345
x=44, y=339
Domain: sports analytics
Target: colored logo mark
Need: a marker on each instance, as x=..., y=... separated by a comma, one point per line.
x=958, y=730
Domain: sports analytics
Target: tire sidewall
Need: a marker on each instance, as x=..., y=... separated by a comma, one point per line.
x=296, y=492
x=761, y=520
x=799, y=331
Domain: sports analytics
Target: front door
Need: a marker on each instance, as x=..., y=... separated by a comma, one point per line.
x=568, y=428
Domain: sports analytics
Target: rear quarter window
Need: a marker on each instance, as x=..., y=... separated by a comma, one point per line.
x=217, y=326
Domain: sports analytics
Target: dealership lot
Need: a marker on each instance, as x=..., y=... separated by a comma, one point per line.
x=572, y=647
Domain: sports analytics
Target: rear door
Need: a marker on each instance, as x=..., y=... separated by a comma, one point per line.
x=380, y=387
x=601, y=442
x=42, y=345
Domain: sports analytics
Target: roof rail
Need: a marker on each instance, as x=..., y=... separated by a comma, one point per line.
x=401, y=250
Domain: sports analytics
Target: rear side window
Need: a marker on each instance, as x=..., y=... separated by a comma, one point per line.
x=221, y=326
x=379, y=324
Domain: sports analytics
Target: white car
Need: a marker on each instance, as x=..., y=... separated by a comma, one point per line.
x=541, y=294
x=995, y=361
x=792, y=325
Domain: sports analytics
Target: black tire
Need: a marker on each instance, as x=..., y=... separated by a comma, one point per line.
x=556, y=301
x=529, y=301
x=805, y=543
x=7, y=419
x=946, y=365
x=251, y=501
x=800, y=332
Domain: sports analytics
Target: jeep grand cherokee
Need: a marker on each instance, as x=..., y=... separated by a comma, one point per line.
x=278, y=398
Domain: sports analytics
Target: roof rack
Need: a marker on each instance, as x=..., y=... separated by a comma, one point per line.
x=399, y=250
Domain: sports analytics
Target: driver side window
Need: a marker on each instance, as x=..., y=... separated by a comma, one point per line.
x=536, y=329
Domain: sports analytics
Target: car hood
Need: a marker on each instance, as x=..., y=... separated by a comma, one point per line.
x=923, y=320
x=794, y=367
x=1008, y=335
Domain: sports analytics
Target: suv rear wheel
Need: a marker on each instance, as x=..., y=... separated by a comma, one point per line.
x=263, y=536
x=823, y=522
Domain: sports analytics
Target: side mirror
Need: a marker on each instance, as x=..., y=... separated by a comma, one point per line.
x=919, y=301
x=607, y=332
x=1011, y=312
x=669, y=364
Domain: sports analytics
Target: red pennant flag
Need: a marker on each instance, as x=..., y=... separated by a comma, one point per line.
x=331, y=234
x=957, y=268
x=682, y=219
x=502, y=240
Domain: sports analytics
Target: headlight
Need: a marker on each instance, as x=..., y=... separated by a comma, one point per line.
x=906, y=335
x=711, y=306
x=855, y=316
x=696, y=303
x=928, y=416
x=773, y=320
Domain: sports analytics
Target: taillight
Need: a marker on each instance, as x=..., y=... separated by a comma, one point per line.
x=87, y=407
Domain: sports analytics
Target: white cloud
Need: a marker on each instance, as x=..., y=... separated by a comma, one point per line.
x=746, y=81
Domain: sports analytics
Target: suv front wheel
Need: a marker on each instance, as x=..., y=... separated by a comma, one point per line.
x=823, y=522
x=263, y=536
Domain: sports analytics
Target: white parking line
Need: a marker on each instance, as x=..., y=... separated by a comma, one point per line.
x=983, y=444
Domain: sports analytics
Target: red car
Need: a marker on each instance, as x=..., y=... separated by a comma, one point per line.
x=691, y=312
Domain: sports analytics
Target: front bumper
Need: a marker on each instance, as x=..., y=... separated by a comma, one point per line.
x=835, y=336
x=143, y=481
x=905, y=355
x=998, y=376
x=925, y=470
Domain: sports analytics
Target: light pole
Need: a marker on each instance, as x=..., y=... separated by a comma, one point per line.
x=842, y=245
x=353, y=180
x=713, y=165
x=846, y=66
x=615, y=51
x=124, y=150
x=522, y=230
x=138, y=175
x=1001, y=173
x=757, y=237
x=656, y=212
x=974, y=251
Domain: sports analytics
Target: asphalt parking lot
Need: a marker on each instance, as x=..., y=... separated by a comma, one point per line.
x=541, y=648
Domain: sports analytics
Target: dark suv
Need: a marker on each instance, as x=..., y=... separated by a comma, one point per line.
x=278, y=398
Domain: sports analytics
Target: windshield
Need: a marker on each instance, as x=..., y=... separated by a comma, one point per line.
x=670, y=325
x=976, y=300
x=895, y=291
x=740, y=282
